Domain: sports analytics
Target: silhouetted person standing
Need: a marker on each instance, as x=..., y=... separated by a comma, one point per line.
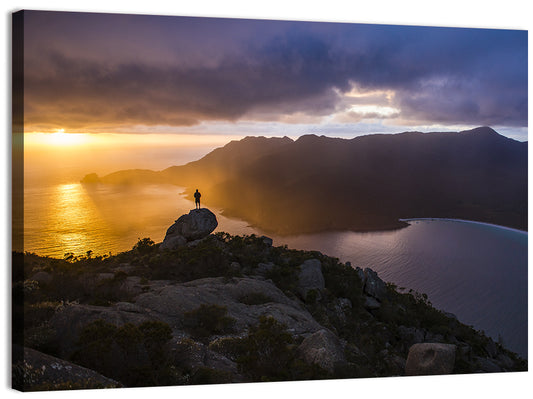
x=197, y=196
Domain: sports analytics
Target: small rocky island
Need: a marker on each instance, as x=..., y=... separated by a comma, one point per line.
x=204, y=308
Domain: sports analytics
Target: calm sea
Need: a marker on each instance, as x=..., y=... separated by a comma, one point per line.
x=478, y=272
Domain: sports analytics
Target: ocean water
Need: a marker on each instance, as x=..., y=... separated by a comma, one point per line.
x=71, y=217
x=478, y=272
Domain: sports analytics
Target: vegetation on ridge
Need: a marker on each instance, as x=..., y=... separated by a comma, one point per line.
x=163, y=352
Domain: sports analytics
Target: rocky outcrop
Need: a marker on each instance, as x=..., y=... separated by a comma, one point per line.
x=246, y=300
x=430, y=359
x=171, y=302
x=173, y=242
x=310, y=277
x=374, y=288
x=195, y=225
x=195, y=355
x=371, y=303
x=372, y=285
x=213, y=323
x=39, y=371
x=42, y=277
x=322, y=348
x=91, y=178
x=70, y=320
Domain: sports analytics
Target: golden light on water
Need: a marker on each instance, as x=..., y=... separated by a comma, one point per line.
x=61, y=215
x=69, y=199
x=73, y=217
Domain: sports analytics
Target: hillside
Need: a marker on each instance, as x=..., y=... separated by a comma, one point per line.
x=226, y=309
x=366, y=183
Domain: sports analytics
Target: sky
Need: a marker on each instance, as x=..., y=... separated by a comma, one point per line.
x=196, y=76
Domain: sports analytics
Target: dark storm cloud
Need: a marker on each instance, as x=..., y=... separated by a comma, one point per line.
x=100, y=71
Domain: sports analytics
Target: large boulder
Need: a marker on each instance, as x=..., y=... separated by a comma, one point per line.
x=372, y=285
x=195, y=225
x=173, y=242
x=371, y=303
x=310, y=277
x=195, y=355
x=322, y=348
x=39, y=371
x=430, y=359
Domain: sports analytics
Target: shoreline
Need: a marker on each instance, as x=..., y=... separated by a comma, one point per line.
x=407, y=220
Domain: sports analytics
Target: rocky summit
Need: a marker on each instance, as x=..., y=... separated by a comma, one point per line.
x=204, y=308
x=195, y=225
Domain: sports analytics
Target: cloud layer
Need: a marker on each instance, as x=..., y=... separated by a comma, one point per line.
x=102, y=72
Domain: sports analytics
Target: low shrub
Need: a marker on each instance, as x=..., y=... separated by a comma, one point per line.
x=285, y=277
x=135, y=355
x=144, y=246
x=208, y=320
x=267, y=351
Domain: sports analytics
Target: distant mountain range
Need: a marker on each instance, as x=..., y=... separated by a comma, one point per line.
x=366, y=183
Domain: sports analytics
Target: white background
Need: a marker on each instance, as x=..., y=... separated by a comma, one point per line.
x=507, y=14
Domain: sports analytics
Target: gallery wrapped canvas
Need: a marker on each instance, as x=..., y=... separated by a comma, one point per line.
x=219, y=200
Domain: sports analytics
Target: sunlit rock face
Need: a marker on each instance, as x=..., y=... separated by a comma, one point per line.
x=197, y=224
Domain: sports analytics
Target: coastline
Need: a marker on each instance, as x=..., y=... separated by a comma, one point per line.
x=407, y=220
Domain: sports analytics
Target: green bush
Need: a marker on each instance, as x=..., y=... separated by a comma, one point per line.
x=248, y=250
x=312, y=296
x=208, y=320
x=206, y=259
x=285, y=277
x=230, y=347
x=342, y=281
x=144, y=246
x=267, y=351
x=134, y=355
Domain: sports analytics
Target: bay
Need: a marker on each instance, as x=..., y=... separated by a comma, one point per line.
x=478, y=272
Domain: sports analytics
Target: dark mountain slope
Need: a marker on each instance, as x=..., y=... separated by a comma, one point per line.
x=224, y=162
x=366, y=183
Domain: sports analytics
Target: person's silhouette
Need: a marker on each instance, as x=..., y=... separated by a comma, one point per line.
x=197, y=196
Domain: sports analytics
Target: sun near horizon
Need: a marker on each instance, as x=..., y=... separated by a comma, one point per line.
x=63, y=138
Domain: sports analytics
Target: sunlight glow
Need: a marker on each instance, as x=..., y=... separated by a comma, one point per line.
x=374, y=110
x=356, y=92
x=57, y=139
x=61, y=139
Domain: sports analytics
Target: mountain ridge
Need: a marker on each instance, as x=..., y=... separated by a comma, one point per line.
x=318, y=183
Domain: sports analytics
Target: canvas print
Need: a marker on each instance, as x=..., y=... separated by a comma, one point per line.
x=214, y=200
